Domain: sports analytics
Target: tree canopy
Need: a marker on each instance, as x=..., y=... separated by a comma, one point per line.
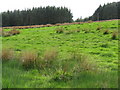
x=106, y=12
x=37, y=16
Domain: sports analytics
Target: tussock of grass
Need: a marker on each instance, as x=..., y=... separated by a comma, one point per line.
x=50, y=54
x=7, y=54
x=84, y=63
x=114, y=35
x=86, y=30
x=106, y=32
x=70, y=31
x=78, y=30
x=28, y=59
x=14, y=32
x=59, y=30
x=90, y=21
x=99, y=28
x=10, y=33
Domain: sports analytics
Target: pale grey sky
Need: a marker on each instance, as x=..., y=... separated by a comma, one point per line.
x=79, y=8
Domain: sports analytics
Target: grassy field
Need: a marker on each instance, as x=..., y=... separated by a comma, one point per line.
x=69, y=56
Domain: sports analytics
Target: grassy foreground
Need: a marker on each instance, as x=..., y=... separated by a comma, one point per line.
x=70, y=56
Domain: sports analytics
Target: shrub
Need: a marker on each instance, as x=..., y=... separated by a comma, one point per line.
x=60, y=30
x=106, y=32
x=28, y=59
x=7, y=54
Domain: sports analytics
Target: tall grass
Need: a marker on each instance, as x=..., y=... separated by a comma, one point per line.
x=50, y=56
x=79, y=67
x=84, y=63
x=29, y=58
x=7, y=54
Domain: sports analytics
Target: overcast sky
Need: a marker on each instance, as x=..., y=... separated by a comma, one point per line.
x=79, y=8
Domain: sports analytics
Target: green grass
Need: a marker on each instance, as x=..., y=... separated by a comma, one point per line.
x=101, y=49
x=14, y=76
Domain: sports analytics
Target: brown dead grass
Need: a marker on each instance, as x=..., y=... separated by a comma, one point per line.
x=14, y=32
x=50, y=54
x=10, y=33
x=7, y=54
x=28, y=58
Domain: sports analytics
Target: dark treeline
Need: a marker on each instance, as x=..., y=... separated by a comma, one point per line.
x=37, y=16
x=105, y=12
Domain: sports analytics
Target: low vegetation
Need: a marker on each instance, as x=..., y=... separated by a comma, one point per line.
x=9, y=33
x=28, y=59
x=60, y=30
x=68, y=56
x=7, y=54
x=106, y=32
x=114, y=35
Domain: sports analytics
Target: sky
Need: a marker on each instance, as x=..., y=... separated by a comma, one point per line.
x=79, y=8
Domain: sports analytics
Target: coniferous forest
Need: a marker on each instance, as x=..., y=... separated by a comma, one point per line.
x=106, y=12
x=36, y=16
